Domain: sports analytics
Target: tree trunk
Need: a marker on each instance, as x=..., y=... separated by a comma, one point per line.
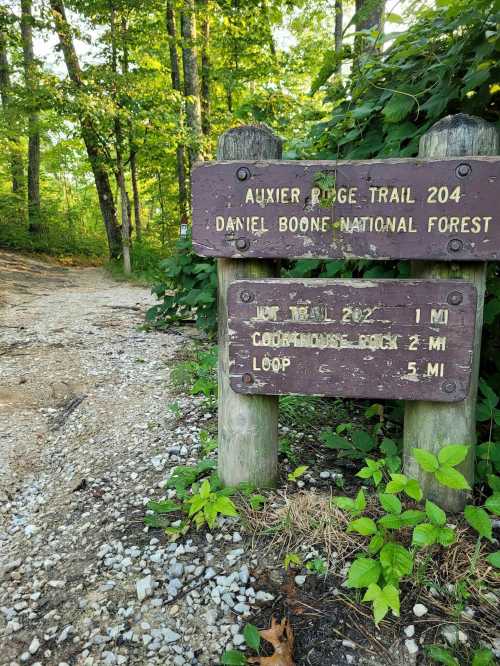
x=15, y=159
x=120, y=169
x=339, y=27
x=132, y=144
x=30, y=77
x=205, y=67
x=89, y=133
x=176, y=85
x=191, y=81
x=369, y=16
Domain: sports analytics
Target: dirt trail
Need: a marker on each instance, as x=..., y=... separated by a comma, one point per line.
x=62, y=335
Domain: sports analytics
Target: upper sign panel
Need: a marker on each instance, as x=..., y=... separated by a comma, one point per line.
x=388, y=209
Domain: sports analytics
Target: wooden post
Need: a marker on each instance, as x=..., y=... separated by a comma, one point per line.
x=248, y=425
x=430, y=426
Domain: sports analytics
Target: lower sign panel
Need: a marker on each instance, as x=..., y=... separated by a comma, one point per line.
x=406, y=339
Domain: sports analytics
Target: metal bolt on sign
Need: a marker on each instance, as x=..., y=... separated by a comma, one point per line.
x=246, y=297
x=449, y=387
x=455, y=298
x=463, y=170
x=455, y=245
x=243, y=173
x=242, y=244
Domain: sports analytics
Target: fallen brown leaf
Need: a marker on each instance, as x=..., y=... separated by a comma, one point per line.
x=280, y=635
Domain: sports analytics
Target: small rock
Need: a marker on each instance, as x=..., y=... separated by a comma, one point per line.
x=170, y=636
x=419, y=610
x=411, y=646
x=410, y=630
x=264, y=596
x=300, y=580
x=34, y=645
x=144, y=588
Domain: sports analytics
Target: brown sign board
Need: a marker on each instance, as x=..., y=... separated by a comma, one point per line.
x=378, y=209
x=406, y=339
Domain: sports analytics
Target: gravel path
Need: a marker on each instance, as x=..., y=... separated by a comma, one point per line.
x=86, y=439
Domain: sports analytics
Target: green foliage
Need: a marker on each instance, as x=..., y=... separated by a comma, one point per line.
x=292, y=560
x=442, y=466
x=317, y=566
x=206, y=505
x=198, y=373
x=297, y=472
x=443, y=655
x=187, y=289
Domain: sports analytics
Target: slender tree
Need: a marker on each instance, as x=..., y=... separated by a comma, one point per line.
x=90, y=136
x=339, y=20
x=205, y=65
x=131, y=140
x=176, y=85
x=369, y=16
x=15, y=159
x=119, y=150
x=30, y=77
x=191, y=79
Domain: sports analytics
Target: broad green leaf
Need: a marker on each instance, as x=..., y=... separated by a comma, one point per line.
x=435, y=514
x=489, y=394
x=441, y=655
x=398, y=107
x=413, y=490
x=360, y=501
x=252, y=637
x=204, y=491
x=427, y=461
x=453, y=454
x=494, y=559
x=479, y=520
x=391, y=594
x=380, y=609
x=390, y=503
x=225, y=506
x=446, y=536
x=424, y=535
x=452, y=478
x=493, y=504
x=483, y=657
x=494, y=482
x=396, y=484
x=372, y=592
x=376, y=543
x=388, y=447
x=233, y=658
x=396, y=561
x=362, y=572
x=165, y=506
x=365, y=473
x=345, y=503
x=363, y=526
x=391, y=521
x=412, y=517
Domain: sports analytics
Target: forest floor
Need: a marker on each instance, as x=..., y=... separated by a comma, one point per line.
x=87, y=439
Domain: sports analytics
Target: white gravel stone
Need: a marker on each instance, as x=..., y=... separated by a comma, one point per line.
x=410, y=630
x=300, y=580
x=419, y=610
x=411, y=646
x=144, y=588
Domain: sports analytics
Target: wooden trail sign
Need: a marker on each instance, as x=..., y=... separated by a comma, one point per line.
x=406, y=339
x=446, y=209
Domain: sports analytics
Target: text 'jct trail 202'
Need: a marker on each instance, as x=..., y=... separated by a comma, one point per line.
x=406, y=339
x=387, y=209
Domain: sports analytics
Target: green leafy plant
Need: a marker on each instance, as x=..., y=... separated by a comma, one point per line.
x=317, y=565
x=443, y=655
x=442, y=466
x=353, y=506
x=206, y=505
x=198, y=373
x=292, y=560
x=208, y=443
x=252, y=639
x=297, y=472
x=188, y=289
x=435, y=531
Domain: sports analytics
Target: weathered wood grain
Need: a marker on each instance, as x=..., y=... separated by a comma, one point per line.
x=445, y=209
x=431, y=426
x=248, y=425
x=352, y=338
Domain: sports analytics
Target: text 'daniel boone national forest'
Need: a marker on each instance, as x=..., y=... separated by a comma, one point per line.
x=398, y=209
x=406, y=339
